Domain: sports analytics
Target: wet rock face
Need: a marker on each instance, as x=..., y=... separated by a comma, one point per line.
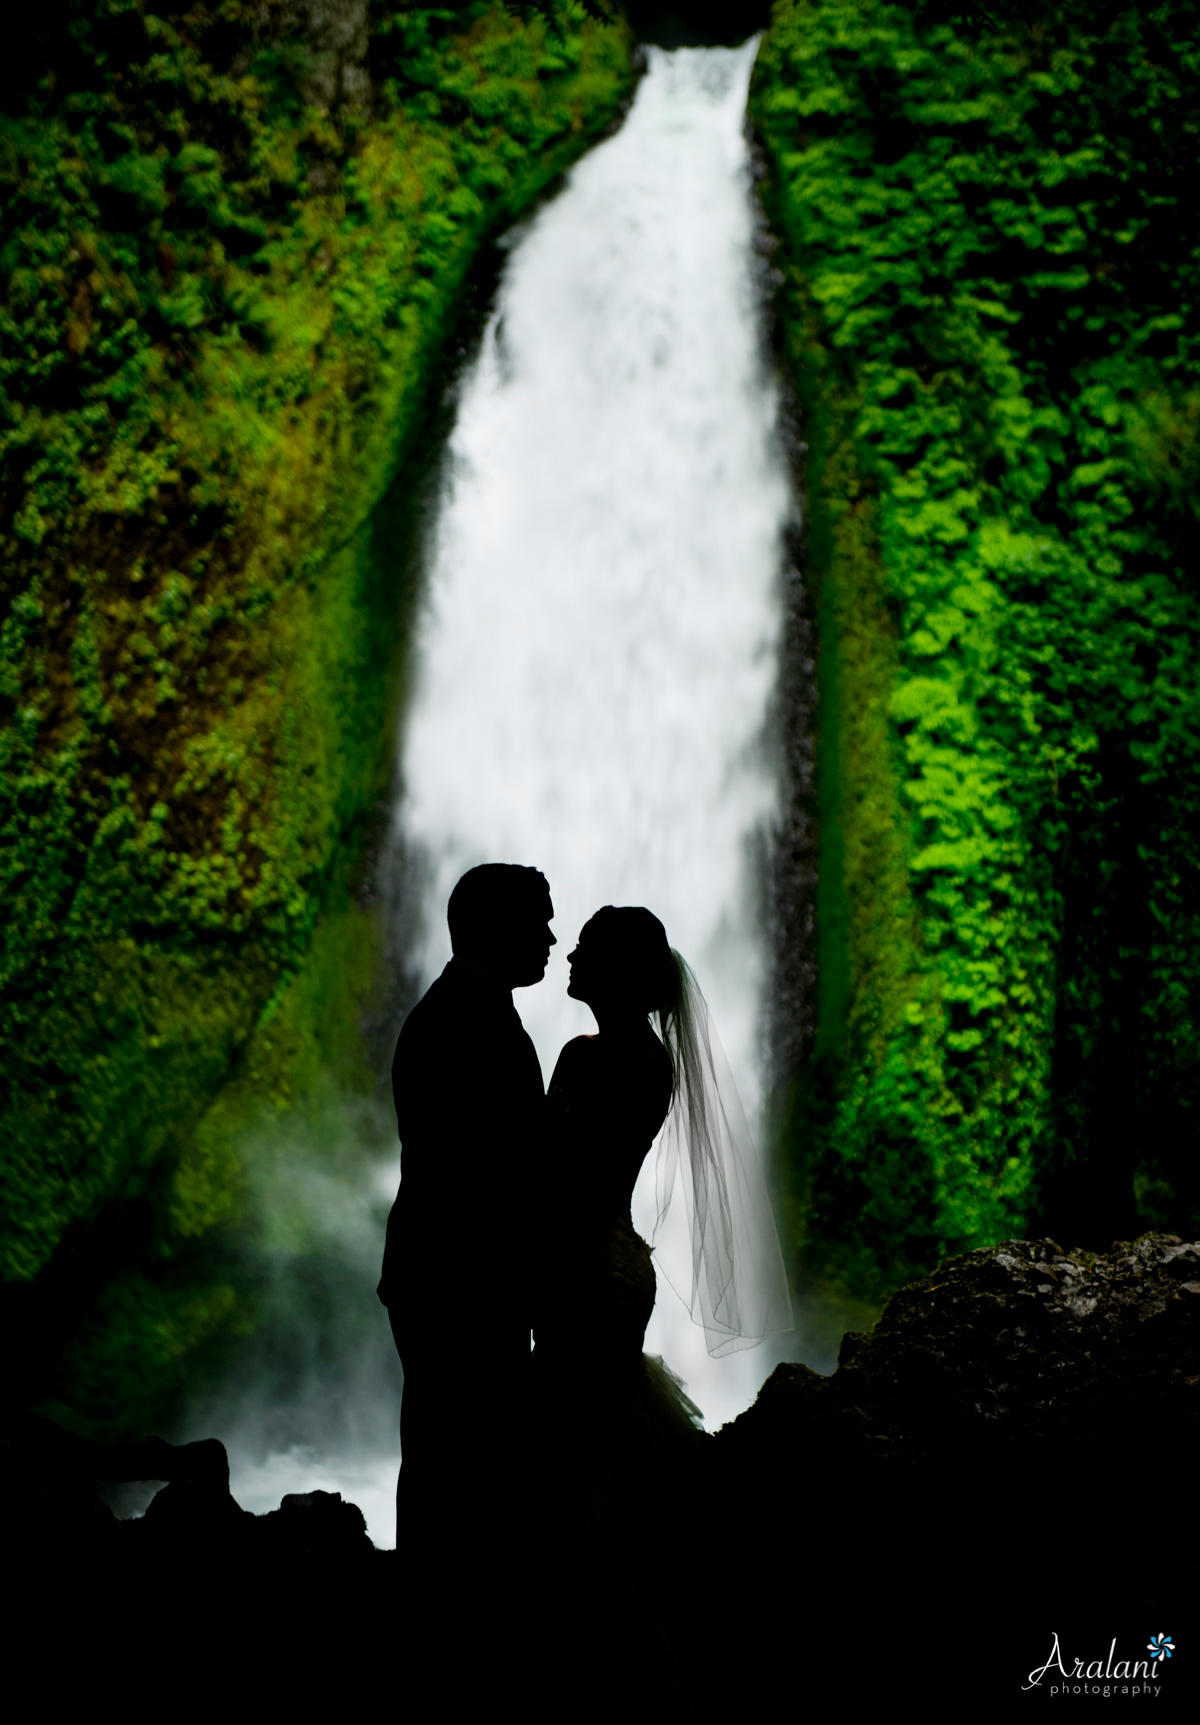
x=317, y=1524
x=334, y=36
x=191, y=1520
x=194, y=1517
x=989, y=1458
x=1021, y=1347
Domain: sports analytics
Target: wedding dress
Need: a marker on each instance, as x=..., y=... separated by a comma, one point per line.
x=607, y=1419
x=604, y=1409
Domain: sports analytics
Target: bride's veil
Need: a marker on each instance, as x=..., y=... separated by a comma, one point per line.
x=726, y=1264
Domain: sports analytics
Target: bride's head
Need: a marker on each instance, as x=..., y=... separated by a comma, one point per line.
x=623, y=964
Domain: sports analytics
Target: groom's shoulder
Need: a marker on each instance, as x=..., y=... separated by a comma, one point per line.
x=439, y=1001
x=453, y=1005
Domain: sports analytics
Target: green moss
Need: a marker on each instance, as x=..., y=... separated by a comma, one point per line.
x=307, y=1045
x=226, y=299
x=131, y=1353
x=990, y=296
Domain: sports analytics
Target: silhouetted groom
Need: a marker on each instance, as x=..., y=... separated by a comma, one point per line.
x=469, y=1098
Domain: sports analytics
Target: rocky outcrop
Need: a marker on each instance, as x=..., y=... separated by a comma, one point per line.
x=1020, y=1352
x=1019, y=1347
x=1008, y=1454
x=192, y=1519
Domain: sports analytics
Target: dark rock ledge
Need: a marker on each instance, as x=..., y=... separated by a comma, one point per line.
x=1011, y=1450
x=1011, y=1453
x=193, y=1517
x=1019, y=1349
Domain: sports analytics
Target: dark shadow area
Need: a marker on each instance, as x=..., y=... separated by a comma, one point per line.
x=984, y=1472
x=697, y=23
x=969, y=1478
x=1123, y=1077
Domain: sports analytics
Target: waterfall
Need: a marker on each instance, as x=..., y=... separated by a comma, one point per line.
x=594, y=663
x=598, y=648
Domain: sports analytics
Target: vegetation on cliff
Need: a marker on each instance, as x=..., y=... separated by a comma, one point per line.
x=234, y=240
x=233, y=245
x=990, y=310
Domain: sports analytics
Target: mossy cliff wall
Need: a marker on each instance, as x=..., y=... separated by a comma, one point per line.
x=235, y=237
x=234, y=243
x=990, y=306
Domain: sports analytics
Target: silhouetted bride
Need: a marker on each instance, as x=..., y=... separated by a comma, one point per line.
x=605, y=1413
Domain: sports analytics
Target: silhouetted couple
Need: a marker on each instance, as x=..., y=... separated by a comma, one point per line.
x=513, y=1209
x=513, y=1215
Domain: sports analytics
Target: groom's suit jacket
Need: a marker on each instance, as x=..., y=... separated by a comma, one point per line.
x=469, y=1103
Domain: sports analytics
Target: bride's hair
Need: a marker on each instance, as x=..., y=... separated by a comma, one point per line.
x=637, y=956
x=658, y=981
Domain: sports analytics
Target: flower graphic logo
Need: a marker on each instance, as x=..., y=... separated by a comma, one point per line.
x=1161, y=1646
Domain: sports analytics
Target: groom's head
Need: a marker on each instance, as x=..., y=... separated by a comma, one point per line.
x=499, y=916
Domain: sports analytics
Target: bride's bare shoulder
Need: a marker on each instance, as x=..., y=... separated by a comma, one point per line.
x=573, y=1058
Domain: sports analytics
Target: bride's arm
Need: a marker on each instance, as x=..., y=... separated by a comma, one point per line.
x=567, y=1083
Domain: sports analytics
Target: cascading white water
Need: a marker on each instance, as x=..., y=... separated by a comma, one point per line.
x=599, y=646
x=595, y=663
